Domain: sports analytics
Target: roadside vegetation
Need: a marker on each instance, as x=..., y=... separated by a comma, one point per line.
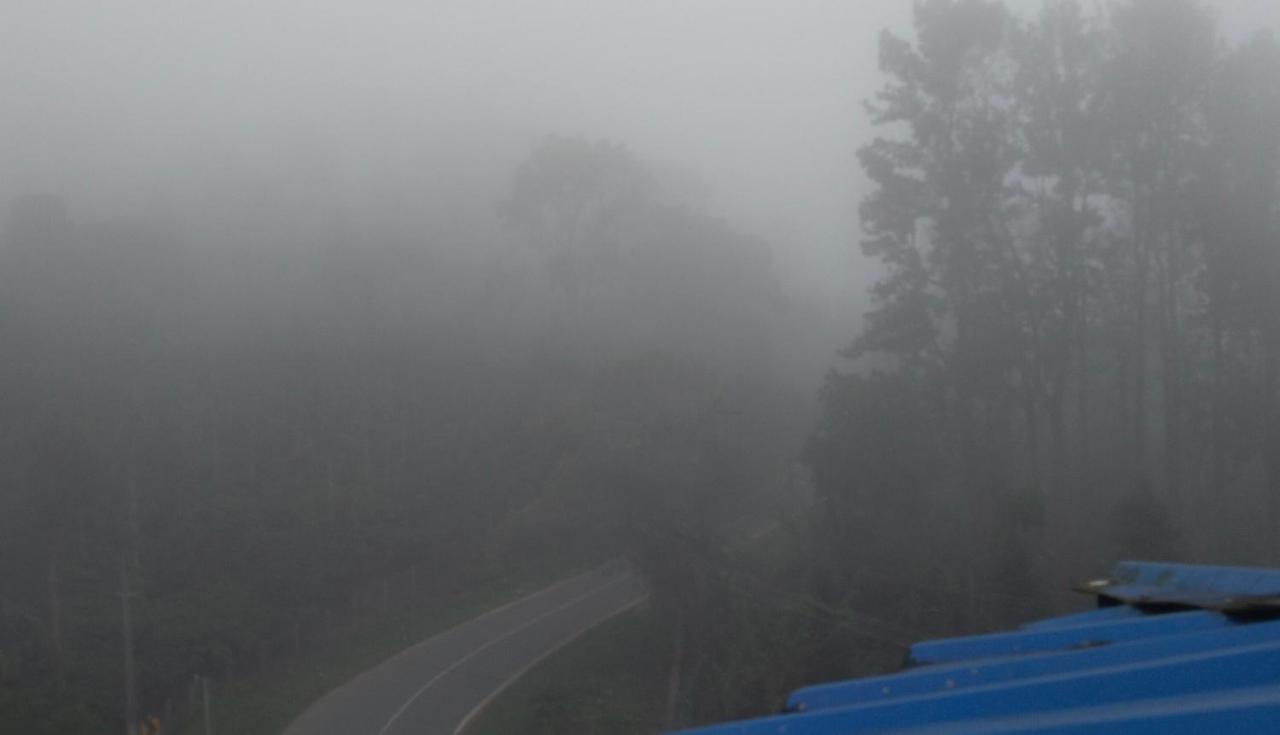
x=608, y=681
x=755, y=634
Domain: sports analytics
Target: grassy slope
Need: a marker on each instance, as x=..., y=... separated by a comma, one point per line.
x=609, y=681
x=613, y=680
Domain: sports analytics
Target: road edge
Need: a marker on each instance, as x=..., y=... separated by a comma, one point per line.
x=509, y=681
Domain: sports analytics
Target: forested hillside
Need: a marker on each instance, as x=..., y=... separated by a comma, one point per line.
x=303, y=315
x=1071, y=356
x=254, y=432
x=1073, y=353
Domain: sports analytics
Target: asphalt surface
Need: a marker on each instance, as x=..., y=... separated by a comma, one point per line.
x=436, y=686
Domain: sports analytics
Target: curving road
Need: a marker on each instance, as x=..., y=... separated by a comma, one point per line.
x=436, y=686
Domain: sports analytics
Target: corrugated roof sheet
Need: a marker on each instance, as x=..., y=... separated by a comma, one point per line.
x=1172, y=649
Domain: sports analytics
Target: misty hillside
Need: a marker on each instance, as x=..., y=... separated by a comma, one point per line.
x=327, y=327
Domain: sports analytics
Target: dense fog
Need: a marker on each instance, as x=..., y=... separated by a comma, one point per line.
x=845, y=324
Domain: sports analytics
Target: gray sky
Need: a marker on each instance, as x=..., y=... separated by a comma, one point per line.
x=108, y=102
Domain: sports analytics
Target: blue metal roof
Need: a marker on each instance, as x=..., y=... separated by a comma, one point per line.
x=1172, y=648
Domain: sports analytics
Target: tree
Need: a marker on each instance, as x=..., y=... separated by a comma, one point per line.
x=1157, y=68
x=573, y=198
x=679, y=428
x=1058, y=58
x=951, y=302
x=1239, y=225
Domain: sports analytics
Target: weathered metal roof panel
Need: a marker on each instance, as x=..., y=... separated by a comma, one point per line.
x=948, y=650
x=1175, y=648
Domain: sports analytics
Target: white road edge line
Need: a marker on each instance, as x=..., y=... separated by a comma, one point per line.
x=493, y=642
x=516, y=676
x=602, y=569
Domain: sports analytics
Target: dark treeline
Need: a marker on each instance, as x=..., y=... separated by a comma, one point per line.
x=255, y=418
x=1072, y=355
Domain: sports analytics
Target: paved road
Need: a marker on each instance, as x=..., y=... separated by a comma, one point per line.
x=436, y=686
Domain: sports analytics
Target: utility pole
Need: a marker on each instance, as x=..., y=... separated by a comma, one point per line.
x=130, y=690
x=135, y=536
x=208, y=721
